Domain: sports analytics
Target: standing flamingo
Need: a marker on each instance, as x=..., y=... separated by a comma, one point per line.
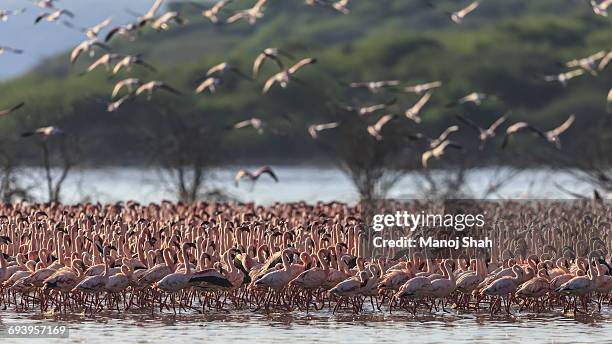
x=504, y=287
x=349, y=288
x=96, y=284
x=580, y=286
x=441, y=288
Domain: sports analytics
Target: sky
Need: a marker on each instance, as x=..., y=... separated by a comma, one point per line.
x=47, y=39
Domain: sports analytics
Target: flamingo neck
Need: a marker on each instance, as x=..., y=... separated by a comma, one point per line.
x=186, y=261
x=228, y=261
x=77, y=268
x=479, y=268
x=449, y=274
x=429, y=265
x=321, y=258
x=168, y=259
x=285, y=260
x=105, y=260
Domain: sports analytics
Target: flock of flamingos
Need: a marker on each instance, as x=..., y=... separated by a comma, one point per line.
x=210, y=257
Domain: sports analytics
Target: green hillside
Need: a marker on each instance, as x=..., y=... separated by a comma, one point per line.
x=504, y=49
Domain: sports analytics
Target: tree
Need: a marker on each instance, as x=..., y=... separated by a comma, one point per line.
x=11, y=187
x=374, y=166
x=594, y=164
x=55, y=174
x=185, y=154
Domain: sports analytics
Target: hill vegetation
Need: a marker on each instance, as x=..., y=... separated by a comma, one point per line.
x=504, y=49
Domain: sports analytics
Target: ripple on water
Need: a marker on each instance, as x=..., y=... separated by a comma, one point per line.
x=324, y=327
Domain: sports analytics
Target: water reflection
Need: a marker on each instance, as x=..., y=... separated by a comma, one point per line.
x=322, y=326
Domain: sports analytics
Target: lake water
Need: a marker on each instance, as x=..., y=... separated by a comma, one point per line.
x=372, y=327
x=309, y=184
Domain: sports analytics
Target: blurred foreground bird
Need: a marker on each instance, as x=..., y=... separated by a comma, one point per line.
x=45, y=3
x=212, y=12
x=151, y=86
x=421, y=88
x=10, y=50
x=115, y=105
x=458, y=16
x=44, y=132
x=105, y=60
x=128, y=61
x=254, y=122
x=340, y=6
x=563, y=78
x=603, y=63
x=483, y=134
x=588, y=63
x=551, y=136
x=376, y=129
x=374, y=86
x=283, y=78
x=314, y=129
x=438, y=151
x=53, y=16
x=209, y=84
x=253, y=176
x=163, y=22
x=250, y=15
x=370, y=109
x=130, y=83
x=129, y=30
x=475, y=97
x=273, y=54
x=433, y=143
x=86, y=47
x=94, y=31
x=414, y=111
x=150, y=15
x=91, y=32
x=601, y=8
x=225, y=67
x=5, y=14
x=9, y=110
